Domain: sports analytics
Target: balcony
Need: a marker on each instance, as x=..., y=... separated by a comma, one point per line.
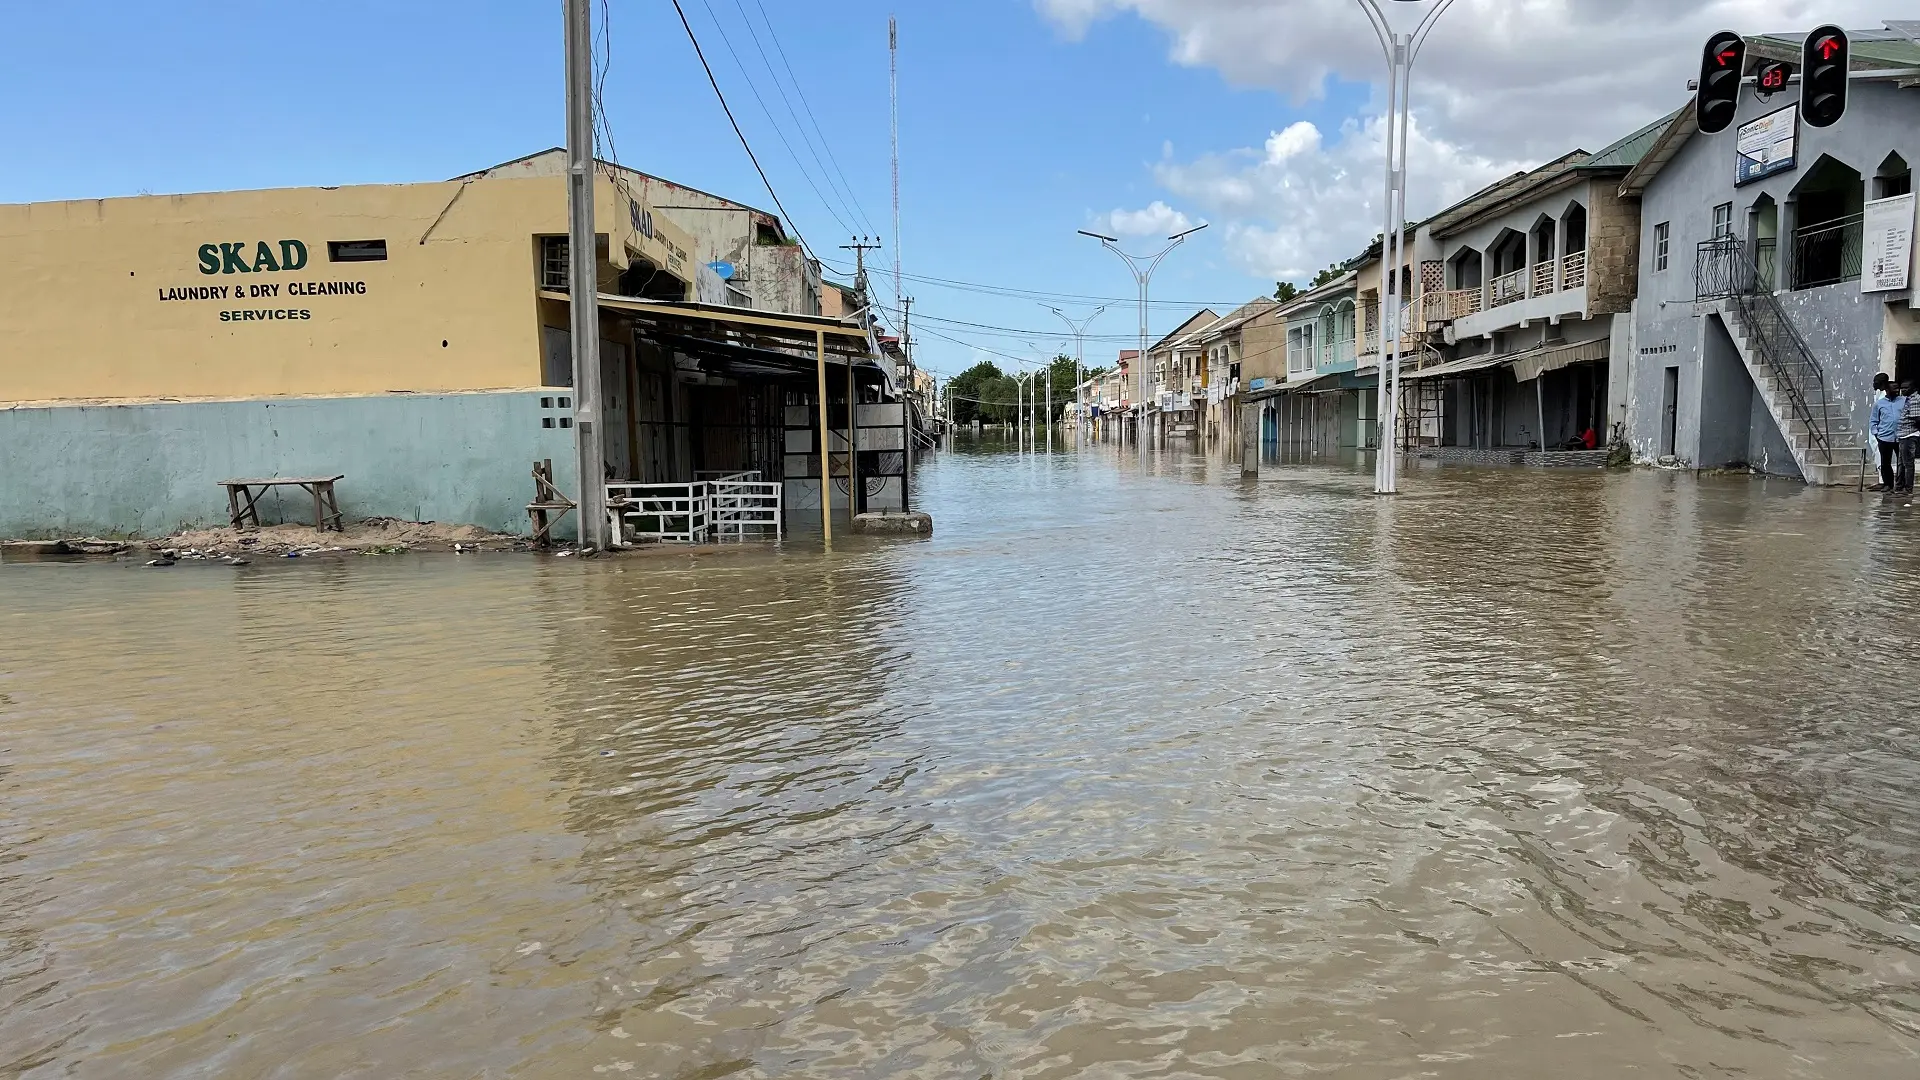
x=1336, y=356
x=1370, y=343
x=1573, y=271
x=1827, y=253
x=1508, y=288
x=1543, y=276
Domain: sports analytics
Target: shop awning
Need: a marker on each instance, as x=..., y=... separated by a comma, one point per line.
x=1459, y=367
x=1554, y=357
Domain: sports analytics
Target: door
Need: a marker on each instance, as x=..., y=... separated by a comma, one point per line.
x=1670, y=412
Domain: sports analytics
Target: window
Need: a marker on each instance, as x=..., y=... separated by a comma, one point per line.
x=1662, y=245
x=553, y=263
x=1723, y=220
x=356, y=251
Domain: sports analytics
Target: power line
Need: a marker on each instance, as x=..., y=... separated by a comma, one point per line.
x=775, y=124
x=849, y=201
x=751, y=156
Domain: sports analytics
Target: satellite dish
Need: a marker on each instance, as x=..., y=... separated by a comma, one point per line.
x=724, y=269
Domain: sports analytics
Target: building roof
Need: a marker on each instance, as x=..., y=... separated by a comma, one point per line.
x=1626, y=153
x=1871, y=49
x=1497, y=198
x=1198, y=319
x=561, y=150
x=1321, y=294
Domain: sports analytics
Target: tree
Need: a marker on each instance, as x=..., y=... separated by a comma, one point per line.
x=1329, y=274
x=974, y=386
x=1284, y=291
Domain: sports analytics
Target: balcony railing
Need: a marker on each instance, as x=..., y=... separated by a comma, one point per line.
x=1370, y=343
x=1827, y=253
x=1573, y=271
x=1508, y=288
x=1337, y=356
x=1543, y=276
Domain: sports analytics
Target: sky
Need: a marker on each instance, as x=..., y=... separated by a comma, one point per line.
x=1021, y=122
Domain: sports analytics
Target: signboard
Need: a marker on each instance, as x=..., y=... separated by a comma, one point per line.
x=1887, y=244
x=1766, y=146
x=1257, y=384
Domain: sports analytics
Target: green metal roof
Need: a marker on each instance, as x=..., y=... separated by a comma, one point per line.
x=1871, y=48
x=1627, y=153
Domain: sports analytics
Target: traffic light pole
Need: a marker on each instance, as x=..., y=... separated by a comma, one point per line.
x=1401, y=51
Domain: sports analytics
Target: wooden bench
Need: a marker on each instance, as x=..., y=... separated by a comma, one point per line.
x=243, y=502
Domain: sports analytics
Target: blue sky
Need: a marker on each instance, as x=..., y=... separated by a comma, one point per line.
x=1021, y=120
x=1012, y=135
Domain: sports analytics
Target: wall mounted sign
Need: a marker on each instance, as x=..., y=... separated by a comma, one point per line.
x=1766, y=146
x=1887, y=244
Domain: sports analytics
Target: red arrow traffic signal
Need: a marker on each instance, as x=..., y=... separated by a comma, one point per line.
x=1826, y=58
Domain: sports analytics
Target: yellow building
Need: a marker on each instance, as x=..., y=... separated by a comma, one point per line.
x=412, y=337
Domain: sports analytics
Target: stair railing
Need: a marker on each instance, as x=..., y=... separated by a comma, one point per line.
x=1725, y=271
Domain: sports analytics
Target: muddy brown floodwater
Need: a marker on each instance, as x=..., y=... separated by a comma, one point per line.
x=1136, y=770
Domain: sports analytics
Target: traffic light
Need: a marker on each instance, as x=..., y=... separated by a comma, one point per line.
x=1721, y=67
x=1823, y=78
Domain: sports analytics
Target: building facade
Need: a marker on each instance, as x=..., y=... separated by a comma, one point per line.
x=413, y=338
x=1776, y=276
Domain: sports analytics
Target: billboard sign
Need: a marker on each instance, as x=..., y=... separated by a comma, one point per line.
x=1766, y=145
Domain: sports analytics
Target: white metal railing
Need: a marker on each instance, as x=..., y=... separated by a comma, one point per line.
x=1573, y=270
x=751, y=475
x=1508, y=288
x=740, y=505
x=1543, y=276
x=670, y=513
x=1370, y=343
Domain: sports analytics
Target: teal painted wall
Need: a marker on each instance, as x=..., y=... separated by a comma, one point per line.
x=151, y=469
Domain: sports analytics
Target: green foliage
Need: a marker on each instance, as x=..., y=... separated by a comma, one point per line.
x=1329, y=274
x=1284, y=291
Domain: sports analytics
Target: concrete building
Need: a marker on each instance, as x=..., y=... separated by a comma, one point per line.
x=412, y=337
x=1319, y=404
x=1175, y=366
x=1223, y=345
x=765, y=267
x=1527, y=328
x=1776, y=274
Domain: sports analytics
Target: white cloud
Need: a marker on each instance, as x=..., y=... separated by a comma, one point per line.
x=1302, y=202
x=1499, y=78
x=1501, y=86
x=1155, y=219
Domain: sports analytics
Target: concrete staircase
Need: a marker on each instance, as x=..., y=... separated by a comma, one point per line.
x=1826, y=444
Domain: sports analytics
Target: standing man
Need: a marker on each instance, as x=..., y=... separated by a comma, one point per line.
x=1884, y=423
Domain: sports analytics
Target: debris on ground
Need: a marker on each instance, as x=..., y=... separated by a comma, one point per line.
x=373, y=536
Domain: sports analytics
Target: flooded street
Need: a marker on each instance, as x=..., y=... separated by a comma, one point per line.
x=1137, y=769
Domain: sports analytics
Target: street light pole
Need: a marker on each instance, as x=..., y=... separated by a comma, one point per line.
x=1079, y=369
x=1401, y=50
x=1142, y=278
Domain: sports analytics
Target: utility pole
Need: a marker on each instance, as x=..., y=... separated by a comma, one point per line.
x=860, y=246
x=583, y=280
x=1079, y=369
x=1141, y=278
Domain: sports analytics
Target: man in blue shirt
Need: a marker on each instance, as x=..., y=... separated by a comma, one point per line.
x=1884, y=423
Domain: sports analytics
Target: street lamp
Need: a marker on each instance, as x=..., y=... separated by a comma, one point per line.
x=1141, y=278
x=1079, y=365
x=1401, y=50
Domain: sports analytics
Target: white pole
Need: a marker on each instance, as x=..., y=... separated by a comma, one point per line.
x=583, y=284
